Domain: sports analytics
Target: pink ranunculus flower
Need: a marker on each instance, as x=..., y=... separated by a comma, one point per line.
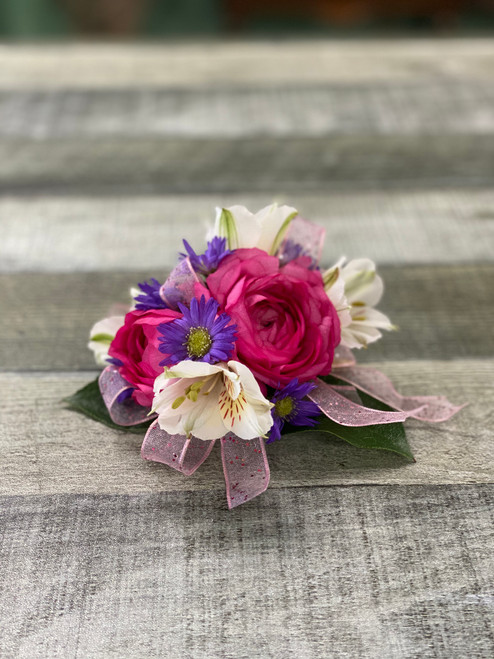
x=136, y=345
x=286, y=325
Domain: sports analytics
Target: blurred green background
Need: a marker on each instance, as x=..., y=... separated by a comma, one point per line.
x=50, y=19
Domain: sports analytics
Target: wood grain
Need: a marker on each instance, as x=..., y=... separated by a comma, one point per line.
x=68, y=234
x=243, y=63
x=366, y=572
x=351, y=553
x=45, y=448
x=440, y=106
x=274, y=166
x=443, y=312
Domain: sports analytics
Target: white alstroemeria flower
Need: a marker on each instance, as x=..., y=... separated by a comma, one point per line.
x=264, y=229
x=134, y=292
x=354, y=289
x=209, y=400
x=101, y=335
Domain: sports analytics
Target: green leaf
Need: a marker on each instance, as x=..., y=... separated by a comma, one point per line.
x=89, y=401
x=384, y=437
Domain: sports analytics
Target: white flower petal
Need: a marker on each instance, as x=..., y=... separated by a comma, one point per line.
x=202, y=418
x=181, y=415
x=363, y=290
x=371, y=318
x=359, y=335
x=253, y=229
x=101, y=335
x=192, y=369
x=224, y=397
x=249, y=384
x=336, y=294
x=362, y=284
x=254, y=421
x=271, y=220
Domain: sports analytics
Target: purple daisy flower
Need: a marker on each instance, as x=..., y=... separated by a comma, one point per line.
x=198, y=335
x=290, y=407
x=292, y=251
x=114, y=361
x=208, y=262
x=151, y=298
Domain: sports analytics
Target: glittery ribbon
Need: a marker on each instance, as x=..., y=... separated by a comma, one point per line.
x=305, y=235
x=343, y=357
x=246, y=468
x=123, y=410
x=180, y=285
x=346, y=412
x=176, y=451
x=433, y=409
x=245, y=464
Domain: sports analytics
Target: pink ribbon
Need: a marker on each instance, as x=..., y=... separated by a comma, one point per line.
x=245, y=464
x=433, y=409
x=123, y=412
x=246, y=468
x=344, y=411
x=177, y=451
x=309, y=236
x=180, y=285
x=343, y=357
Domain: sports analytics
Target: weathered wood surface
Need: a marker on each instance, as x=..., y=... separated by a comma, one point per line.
x=449, y=106
x=192, y=65
x=46, y=449
x=443, y=312
x=315, y=572
x=279, y=167
x=67, y=234
x=351, y=553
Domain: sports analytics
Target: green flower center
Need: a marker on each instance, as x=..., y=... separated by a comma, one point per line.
x=198, y=342
x=284, y=407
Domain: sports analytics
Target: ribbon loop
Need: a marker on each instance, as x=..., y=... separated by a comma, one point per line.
x=343, y=357
x=302, y=238
x=348, y=413
x=180, y=285
x=177, y=451
x=123, y=410
x=246, y=468
x=433, y=409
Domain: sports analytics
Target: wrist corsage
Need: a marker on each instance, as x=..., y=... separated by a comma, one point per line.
x=245, y=343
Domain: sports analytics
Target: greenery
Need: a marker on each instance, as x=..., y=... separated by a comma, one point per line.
x=89, y=401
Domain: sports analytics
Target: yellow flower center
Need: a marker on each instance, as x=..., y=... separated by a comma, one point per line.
x=198, y=342
x=284, y=407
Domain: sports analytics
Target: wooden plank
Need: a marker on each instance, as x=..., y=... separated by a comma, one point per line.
x=444, y=312
x=46, y=449
x=102, y=233
x=269, y=165
x=201, y=65
x=340, y=572
x=441, y=106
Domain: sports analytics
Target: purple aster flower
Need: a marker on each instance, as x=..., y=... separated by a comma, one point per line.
x=292, y=251
x=208, y=262
x=114, y=361
x=151, y=296
x=290, y=407
x=198, y=335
